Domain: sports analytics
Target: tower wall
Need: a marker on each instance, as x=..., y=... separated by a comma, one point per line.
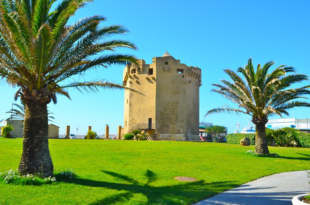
x=139, y=107
x=171, y=110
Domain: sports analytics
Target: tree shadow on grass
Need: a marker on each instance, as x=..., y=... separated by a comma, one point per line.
x=306, y=155
x=185, y=193
x=296, y=158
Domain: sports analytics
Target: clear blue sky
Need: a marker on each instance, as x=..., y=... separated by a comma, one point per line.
x=213, y=35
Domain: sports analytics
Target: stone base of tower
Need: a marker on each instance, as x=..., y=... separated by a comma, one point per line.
x=178, y=137
x=194, y=138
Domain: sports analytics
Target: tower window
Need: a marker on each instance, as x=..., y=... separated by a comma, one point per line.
x=127, y=101
x=151, y=71
x=133, y=71
x=166, y=63
x=180, y=71
x=150, y=123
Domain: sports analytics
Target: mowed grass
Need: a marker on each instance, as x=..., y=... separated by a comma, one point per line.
x=142, y=172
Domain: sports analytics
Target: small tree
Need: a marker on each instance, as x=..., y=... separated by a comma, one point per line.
x=5, y=131
x=215, y=132
x=216, y=129
x=91, y=135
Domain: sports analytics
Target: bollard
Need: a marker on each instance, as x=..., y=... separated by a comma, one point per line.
x=119, y=132
x=107, y=132
x=68, y=132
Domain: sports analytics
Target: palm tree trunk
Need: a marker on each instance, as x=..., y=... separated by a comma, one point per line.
x=261, y=145
x=36, y=157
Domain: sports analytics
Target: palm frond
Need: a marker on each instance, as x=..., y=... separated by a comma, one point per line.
x=225, y=109
x=95, y=85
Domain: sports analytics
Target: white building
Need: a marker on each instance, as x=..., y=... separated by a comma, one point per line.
x=301, y=124
x=18, y=127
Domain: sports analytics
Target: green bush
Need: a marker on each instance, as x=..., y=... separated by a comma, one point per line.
x=142, y=136
x=269, y=133
x=12, y=177
x=303, y=139
x=91, y=135
x=5, y=131
x=216, y=129
x=236, y=137
x=138, y=135
x=284, y=137
x=136, y=132
x=128, y=136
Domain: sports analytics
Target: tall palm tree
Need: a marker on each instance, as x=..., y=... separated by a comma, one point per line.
x=39, y=53
x=261, y=94
x=18, y=113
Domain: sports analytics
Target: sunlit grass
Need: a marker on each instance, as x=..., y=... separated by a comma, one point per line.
x=142, y=172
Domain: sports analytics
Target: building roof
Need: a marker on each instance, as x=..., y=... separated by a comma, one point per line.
x=166, y=54
x=53, y=125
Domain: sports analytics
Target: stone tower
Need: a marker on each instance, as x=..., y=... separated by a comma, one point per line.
x=169, y=106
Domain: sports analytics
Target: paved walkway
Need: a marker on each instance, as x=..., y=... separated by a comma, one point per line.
x=277, y=189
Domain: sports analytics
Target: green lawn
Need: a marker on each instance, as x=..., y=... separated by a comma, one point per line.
x=139, y=172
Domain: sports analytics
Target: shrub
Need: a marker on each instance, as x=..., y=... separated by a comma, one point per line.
x=269, y=133
x=216, y=129
x=285, y=137
x=142, y=136
x=12, y=177
x=5, y=131
x=65, y=174
x=138, y=135
x=128, y=136
x=91, y=135
x=303, y=139
x=136, y=132
x=236, y=137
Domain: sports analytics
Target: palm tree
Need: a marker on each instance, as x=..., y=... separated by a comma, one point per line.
x=261, y=94
x=18, y=113
x=40, y=53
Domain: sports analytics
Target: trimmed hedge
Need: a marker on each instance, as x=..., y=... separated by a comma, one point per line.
x=303, y=139
x=236, y=137
x=128, y=136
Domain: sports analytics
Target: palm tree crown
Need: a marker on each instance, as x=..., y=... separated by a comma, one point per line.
x=39, y=51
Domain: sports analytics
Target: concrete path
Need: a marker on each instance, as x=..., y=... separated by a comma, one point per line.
x=277, y=189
